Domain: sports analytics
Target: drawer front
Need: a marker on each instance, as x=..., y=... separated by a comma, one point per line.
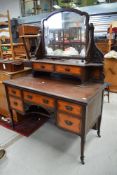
x=39, y=99
x=70, y=108
x=68, y=69
x=68, y=122
x=43, y=67
x=16, y=104
x=14, y=91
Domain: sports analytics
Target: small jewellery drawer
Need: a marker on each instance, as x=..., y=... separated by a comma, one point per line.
x=16, y=104
x=14, y=91
x=70, y=108
x=68, y=122
x=68, y=69
x=39, y=99
x=43, y=67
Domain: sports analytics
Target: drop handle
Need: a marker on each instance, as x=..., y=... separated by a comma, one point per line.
x=43, y=67
x=45, y=101
x=67, y=69
x=15, y=103
x=69, y=123
x=69, y=108
x=13, y=91
x=29, y=96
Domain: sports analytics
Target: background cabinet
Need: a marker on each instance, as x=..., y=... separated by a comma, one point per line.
x=6, y=76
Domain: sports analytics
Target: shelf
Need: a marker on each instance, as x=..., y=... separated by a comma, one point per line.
x=14, y=44
x=29, y=36
x=3, y=23
x=3, y=15
x=4, y=30
x=5, y=37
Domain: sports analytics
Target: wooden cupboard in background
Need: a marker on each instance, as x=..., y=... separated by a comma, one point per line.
x=110, y=70
x=3, y=101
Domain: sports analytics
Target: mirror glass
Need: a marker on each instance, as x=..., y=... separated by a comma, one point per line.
x=65, y=34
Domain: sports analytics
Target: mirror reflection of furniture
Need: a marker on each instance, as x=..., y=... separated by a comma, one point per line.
x=68, y=39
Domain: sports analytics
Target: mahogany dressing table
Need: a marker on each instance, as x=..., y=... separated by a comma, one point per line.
x=67, y=79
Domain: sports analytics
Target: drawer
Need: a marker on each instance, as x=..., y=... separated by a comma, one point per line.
x=68, y=122
x=68, y=69
x=39, y=99
x=14, y=91
x=16, y=104
x=70, y=108
x=43, y=67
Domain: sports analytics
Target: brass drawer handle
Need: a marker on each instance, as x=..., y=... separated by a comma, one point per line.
x=69, y=108
x=67, y=69
x=13, y=91
x=29, y=96
x=69, y=123
x=15, y=103
x=43, y=67
x=45, y=101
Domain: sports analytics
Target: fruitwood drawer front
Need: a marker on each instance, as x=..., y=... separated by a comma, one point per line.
x=14, y=91
x=16, y=104
x=68, y=122
x=68, y=69
x=70, y=108
x=43, y=67
x=39, y=99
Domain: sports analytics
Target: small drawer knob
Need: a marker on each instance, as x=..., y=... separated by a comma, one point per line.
x=67, y=69
x=69, y=108
x=45, y=101
x=43, y=67
x=69, y=123
x=13, y=91
x=15, y=103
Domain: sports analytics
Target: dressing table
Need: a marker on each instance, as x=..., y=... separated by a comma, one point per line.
x=66, y=84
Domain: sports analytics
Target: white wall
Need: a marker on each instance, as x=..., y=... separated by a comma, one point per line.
x=12, y=5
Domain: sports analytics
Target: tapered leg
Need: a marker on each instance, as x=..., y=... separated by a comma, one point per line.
x=11, y=114
x=99, y=123
x=82, y=149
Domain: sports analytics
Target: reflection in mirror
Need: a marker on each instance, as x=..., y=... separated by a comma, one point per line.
x=65, y=34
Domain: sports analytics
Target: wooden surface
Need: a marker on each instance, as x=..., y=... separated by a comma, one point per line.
x=6, y=76
x=61, y=88
x=110, y=69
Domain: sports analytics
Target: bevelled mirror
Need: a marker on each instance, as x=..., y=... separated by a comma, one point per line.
x=65, y=34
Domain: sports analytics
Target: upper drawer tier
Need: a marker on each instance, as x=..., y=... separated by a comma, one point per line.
x=68, y=69
x=14, y=91
x=43, y=67
x=70, y=108
x=39, y=99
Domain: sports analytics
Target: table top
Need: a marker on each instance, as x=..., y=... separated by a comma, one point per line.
x=70, y=90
